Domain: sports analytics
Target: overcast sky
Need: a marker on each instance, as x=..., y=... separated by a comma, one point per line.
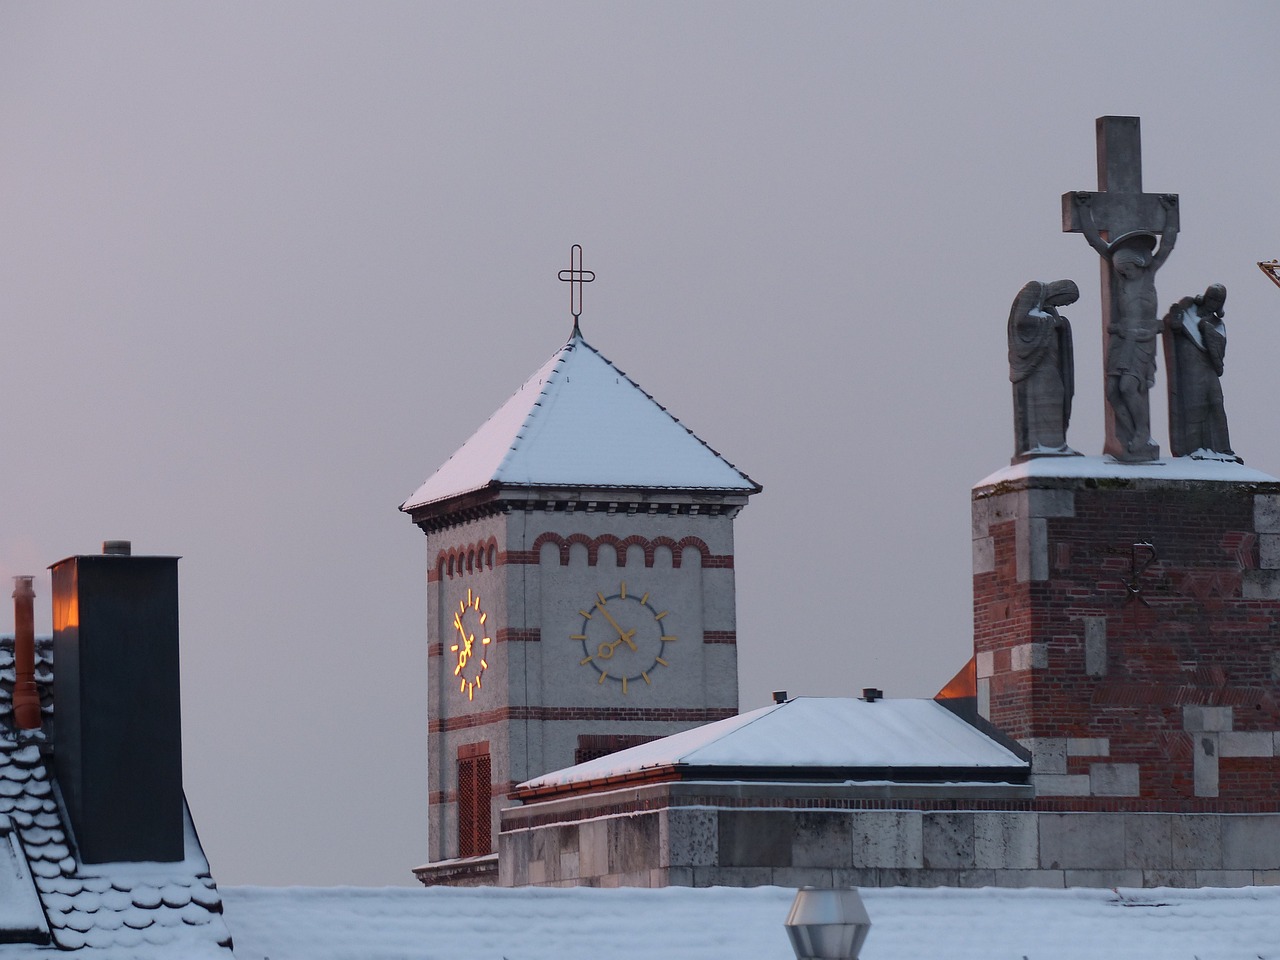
x=264, y=266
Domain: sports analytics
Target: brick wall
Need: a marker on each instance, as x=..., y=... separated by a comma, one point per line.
x=1128, y=632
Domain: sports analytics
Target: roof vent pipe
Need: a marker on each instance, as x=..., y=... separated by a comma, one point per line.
x=872, y=694
x=117, y=548
x=26, y=699
x=779, y=696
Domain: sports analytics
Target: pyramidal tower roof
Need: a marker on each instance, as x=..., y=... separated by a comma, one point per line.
x=581, y=422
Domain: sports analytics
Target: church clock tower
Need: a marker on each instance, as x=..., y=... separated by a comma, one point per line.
x=580, y=590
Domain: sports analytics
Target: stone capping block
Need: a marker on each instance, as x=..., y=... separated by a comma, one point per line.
x=1212, y=719
x=888, y=838
x=1251, y=842
x=984, y=555
x=821, y=839
x=1261, y=585
x=1095, y=646
x=984, y=697
x=1051, y=503
x=1088, y=747
x=1006, y=840
x=1048, y=754
x=1266, y=513
x=688, y=838
x=1031, y=548
x=1005, y=507
x=1204, y=748
x=1148, y=840
x=1247, y=744
x=1029, y=656
x=948, y=840
x=1061, y=785
x=1197, y=841
x=1082, y=841
x=1269, y=551
x=1114, y=779
x=985, y=664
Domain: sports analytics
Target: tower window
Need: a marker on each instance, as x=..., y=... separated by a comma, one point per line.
x=475, y=777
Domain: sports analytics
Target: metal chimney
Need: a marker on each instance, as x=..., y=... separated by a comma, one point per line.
x=118, y=739
x=26, y=699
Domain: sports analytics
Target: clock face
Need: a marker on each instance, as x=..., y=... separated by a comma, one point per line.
x=471, y=643
x=623, y=638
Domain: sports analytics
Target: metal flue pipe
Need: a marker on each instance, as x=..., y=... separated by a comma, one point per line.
x=26, y=699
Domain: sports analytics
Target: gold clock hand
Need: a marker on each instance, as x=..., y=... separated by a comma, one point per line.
x=627, y=637
x=612, y=622
x=606, y=650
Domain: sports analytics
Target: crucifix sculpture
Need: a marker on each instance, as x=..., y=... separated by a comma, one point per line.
x=1134, y=233
x=575, y=276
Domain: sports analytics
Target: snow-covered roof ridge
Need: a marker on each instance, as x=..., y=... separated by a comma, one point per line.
x=811, y=733
x=580, y=421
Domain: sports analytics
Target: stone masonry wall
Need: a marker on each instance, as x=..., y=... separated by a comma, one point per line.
x=647, y=844
x=1128, y=633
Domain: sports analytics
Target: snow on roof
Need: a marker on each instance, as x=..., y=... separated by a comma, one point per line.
x=108, y=911
x=346, y=923
x=580, y=421
x=809, y=732
x=1171, y=468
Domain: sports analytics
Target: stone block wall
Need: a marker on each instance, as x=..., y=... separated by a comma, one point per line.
x=659, y=836
x=1128, y=633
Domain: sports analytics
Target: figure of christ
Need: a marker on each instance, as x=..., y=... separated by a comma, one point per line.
x=1041, y=369
x=1131, y=334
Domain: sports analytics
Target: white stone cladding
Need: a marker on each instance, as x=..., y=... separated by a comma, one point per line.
x=537, y=696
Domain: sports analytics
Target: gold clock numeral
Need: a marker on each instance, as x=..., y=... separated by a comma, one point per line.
x=603, y=677
x=667, y=639
x=585, y=614
x=577, y=636
x=659, y=616
x=646, y=677
x=661, y=661
x=623, y=590
x=624, y=686
x=584, y=661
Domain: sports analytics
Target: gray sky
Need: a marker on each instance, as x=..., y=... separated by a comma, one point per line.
x=263, y=267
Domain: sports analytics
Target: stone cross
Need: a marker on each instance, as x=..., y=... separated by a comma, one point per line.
x=575, y=276
x=1120, y=213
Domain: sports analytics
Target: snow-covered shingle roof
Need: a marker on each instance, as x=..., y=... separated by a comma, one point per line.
x=810, y=733
x=120, y=911
x=581, y=422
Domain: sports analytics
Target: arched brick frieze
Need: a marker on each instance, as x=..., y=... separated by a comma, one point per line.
x=622, y=545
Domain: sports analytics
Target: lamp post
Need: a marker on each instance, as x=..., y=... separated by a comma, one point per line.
x=827, y=924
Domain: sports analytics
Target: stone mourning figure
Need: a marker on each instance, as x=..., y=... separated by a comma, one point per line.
x=1195, y=341
x=1042, y=369
x=1131, y=335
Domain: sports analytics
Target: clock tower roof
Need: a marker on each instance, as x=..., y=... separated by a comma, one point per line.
x=579, y=421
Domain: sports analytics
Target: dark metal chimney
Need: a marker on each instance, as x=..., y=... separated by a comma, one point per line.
x=118, y=739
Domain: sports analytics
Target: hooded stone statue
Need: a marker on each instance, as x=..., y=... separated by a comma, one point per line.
x=1195, y=344
x=1042, y=369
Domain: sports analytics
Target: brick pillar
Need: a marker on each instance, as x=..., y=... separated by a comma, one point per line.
x=1127, y=631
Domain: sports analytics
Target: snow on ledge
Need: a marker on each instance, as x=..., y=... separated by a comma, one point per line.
x=1168, y=468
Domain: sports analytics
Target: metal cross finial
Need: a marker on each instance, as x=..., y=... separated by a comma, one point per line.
x=575, y=276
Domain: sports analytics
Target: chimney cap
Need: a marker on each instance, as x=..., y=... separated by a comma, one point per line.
x=117, y=548
x=779, y=696
x=872, y=694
